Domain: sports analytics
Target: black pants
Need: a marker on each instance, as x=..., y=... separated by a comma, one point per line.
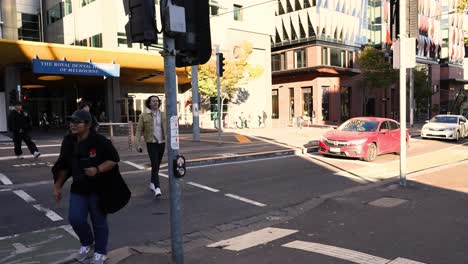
x=156, y=152
x=24, y=136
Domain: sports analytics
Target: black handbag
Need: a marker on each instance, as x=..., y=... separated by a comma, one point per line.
x=114, y=193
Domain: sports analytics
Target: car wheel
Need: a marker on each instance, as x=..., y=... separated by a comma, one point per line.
x=371, y=153
x=457, y=136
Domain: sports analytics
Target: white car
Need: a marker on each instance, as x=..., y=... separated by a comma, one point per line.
x=452, y=127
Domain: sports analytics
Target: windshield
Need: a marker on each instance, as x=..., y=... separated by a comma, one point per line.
x=444, y=119
x=358, y=125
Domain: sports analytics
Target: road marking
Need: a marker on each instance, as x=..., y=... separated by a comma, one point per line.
x=203, y=187
x=346, y=254
x=240, y=162
x=30, y=156
x=4, y=179
x=404, y=261
x=341, y=253
x=49, y=213
x=252, y=239
x=135, y=165
x=242, y=138
x=164, y=175
x=24, y=196
x=38, y=146
x=245, y=200
x=69, y=230
x=5, y=190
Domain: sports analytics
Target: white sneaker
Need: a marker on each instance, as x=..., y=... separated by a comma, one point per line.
x=152, y=187
x=157, y=192
x=36, y=154
x=20, y=157
x=98, y=259
x=83, y=254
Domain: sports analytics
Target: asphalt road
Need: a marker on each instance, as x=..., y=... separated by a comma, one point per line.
x=217, y=199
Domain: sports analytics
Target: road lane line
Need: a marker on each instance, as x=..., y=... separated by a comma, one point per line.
x=24, y=196
x=4, y=179
x=242, y=138
x=30, y=156
x=135, y=165
x=5, y=190
x=341, y=253
x=203, y=187
x=38, y=146
x=49, y=213
x=245, y=200
x=70, y=231
x=252, y=239
x=164, y=175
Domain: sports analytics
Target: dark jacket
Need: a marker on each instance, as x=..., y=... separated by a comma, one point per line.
x=19, y=121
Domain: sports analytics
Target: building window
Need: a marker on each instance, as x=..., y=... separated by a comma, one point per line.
x=54, y=14
x=299, y=58
x=214, y=8
x=238, y=12
x=345, y=95
x=337, y=57
x=58, y=11
x=325, y=103
x=351, y=59
x=307, y=102
x=122, y=40
x=28, y=27
x=96, y=41
x=67, y=7
x=275, y=104
x=86, y=2
x=291, y=104
x=325, y=56
x=278, y=62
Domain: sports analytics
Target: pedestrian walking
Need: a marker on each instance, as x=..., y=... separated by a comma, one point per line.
x=44, y=122
x=91, y=160
x=20, y=126
x=151, y=126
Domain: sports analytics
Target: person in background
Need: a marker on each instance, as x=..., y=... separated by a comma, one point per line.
x=87, y=157
x=87, y=107
x=151, y=126
x=20, y=126
x=44, y=122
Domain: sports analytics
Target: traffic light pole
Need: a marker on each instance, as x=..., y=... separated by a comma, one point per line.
x=195, y=103
x=402, y=6
x=172, y=142
x=219, y=94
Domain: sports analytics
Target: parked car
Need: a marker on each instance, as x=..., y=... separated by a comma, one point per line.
x=446, y=127
x=363, y=137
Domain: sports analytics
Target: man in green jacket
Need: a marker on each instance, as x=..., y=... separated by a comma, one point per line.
x=151, y=125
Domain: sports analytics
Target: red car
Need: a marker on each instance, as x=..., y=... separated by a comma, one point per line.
x=363, y=137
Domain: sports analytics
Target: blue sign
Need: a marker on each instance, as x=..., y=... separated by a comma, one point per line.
x=75, y=68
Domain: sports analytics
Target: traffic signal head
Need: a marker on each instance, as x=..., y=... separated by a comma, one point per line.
x=220, y=63
x=194, y=47
x=141, y=26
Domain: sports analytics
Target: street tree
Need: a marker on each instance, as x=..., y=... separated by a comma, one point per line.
x=422, y=87
x=377, y=72
x=237, y=71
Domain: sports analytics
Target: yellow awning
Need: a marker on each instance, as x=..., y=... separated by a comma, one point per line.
x=136, y=66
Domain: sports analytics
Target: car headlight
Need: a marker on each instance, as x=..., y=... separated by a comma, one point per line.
x=450, y=129
x=358, y=141
x=323, y=139
x=425, y=128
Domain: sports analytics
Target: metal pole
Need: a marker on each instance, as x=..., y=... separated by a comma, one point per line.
x=411, y=96
x=173, y=149
x=195, y=103
x=219, y=95
x=402, y=6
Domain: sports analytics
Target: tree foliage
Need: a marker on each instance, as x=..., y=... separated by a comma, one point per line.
x=422, y=89
x=377, y=72
x=237, y=70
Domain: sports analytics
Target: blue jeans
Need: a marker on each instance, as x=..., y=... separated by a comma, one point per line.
x=80, y=206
